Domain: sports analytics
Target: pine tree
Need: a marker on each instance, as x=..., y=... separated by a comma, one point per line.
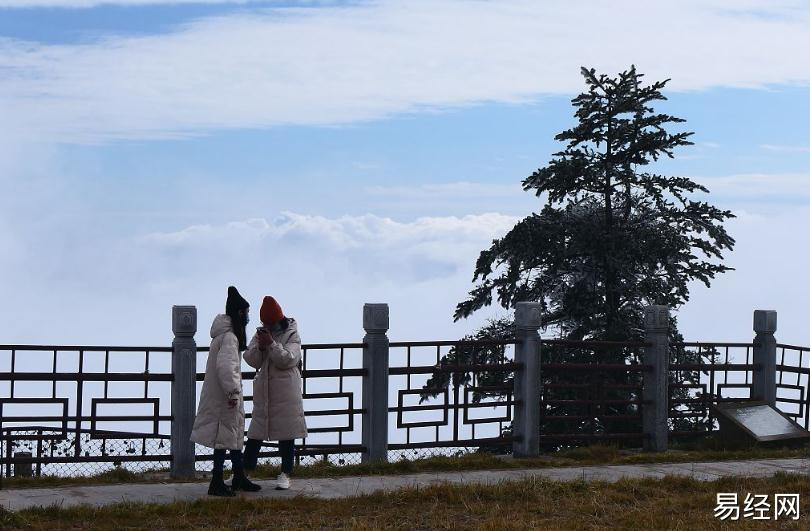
x=611, y=238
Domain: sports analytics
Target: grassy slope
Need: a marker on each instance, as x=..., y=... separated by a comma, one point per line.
x=669, y=503
x=594, y=455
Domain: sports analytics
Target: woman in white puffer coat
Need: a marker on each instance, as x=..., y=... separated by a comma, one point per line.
x=220, y=420
x=278, y=406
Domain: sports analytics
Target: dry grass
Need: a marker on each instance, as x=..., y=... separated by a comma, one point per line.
x=669, y=503
x=592, y=455
x=117, y=475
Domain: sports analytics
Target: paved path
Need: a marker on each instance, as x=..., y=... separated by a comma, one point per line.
x=16, y=499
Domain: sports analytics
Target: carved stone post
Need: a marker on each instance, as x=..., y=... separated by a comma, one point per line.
x=375, y=383
x=655, y=410
x=764, y=381
x=184, y=390
x=526, y=424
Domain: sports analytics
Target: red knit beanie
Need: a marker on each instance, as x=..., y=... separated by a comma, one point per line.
x=270, y=312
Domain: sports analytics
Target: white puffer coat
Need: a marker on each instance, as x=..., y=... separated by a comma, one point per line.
x=217, y=425
x=278, y=407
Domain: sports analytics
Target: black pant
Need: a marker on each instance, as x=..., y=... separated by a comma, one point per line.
x=236, y=460
x=285, y=448
x=287, y=451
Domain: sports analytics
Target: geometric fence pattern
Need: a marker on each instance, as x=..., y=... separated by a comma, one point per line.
x=724, y=372
x=703, y=374
x=78, y=410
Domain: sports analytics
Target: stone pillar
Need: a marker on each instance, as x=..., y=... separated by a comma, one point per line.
x=655, y=410
x=526, y=424
x=184, y=390
x=764, y=382
x=375, y=383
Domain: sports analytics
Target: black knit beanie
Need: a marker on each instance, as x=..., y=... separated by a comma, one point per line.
x=235, y=303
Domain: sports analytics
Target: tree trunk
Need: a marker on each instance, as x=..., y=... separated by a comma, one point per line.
x=611, y=300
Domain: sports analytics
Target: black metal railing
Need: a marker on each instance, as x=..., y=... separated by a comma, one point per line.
x=703, y=374
x=80, y=390
x=324, y=440
x=81, y=409
x=792, y=381
x=456, y=386
x=591, y=391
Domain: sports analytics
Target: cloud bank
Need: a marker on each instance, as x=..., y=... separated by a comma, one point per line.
x=341, y=65
x=361, y=248
x=424, y=267
x=321, y=269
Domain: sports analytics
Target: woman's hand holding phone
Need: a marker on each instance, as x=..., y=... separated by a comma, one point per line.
x=264, y=336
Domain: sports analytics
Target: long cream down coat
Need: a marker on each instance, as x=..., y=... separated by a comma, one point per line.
x=216, y=425
x=278, y=407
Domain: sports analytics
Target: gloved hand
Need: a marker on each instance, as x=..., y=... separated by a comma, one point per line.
x=265, y=338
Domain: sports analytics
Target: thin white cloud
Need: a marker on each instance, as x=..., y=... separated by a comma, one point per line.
x=460, y=189
x=339, y=65
x=78, y=4
x=759, y=186
x=752, y=186
x=365, y=166
x=436, y=239
x=784, y=148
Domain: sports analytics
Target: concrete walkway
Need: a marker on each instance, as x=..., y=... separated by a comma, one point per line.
x=16, y=499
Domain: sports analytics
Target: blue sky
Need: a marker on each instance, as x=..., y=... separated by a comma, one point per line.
x=59, y=22
x=336, y=153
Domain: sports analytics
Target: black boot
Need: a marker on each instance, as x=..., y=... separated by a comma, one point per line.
x=218, y=486
x=252, y=447
x=241, y=482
